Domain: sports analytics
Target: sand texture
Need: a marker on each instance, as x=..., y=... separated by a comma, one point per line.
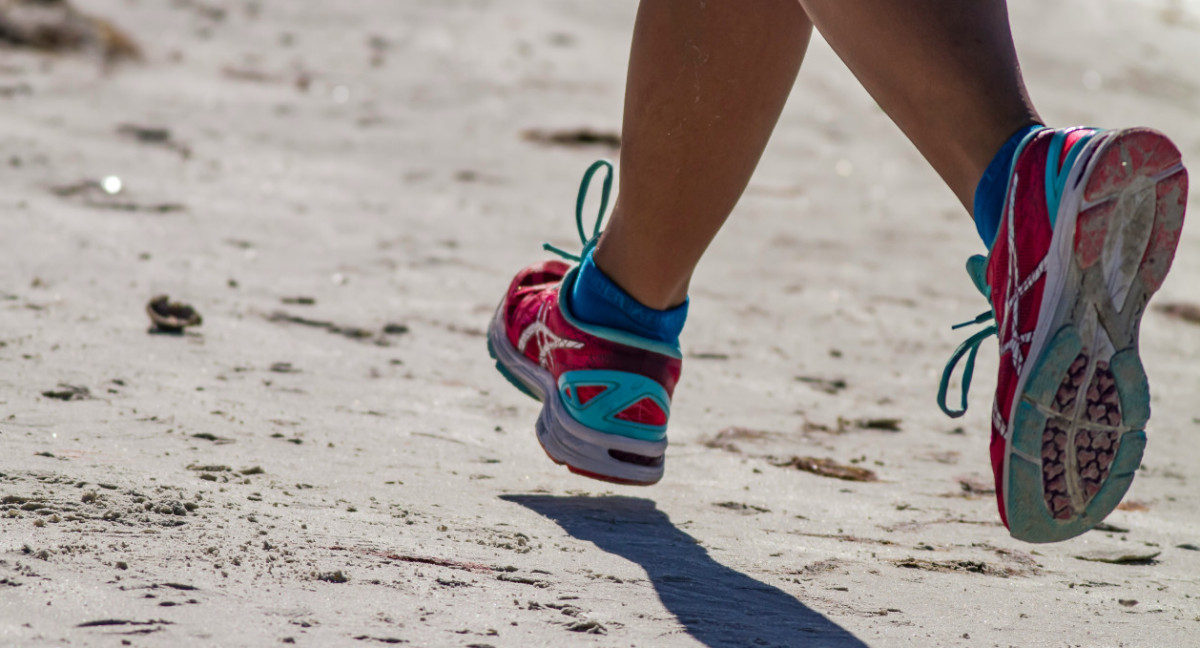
x=342, y=190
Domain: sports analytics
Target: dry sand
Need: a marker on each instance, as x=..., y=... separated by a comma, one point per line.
x=289, y=472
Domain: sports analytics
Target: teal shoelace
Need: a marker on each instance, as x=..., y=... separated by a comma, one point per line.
x=977, y=269
x=588, y=242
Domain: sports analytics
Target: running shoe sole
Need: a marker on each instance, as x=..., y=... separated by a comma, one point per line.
x=1077, y=428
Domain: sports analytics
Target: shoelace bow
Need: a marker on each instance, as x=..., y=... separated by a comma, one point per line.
x=606, y=188
x=977, y=268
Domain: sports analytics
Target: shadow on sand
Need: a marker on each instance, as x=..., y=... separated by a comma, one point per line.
x=720, y=607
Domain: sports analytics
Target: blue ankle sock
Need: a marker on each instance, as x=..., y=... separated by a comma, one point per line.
x=989, y=193
x=596, y=299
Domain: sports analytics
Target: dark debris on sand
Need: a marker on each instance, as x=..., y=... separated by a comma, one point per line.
x=729, y=438
x=829, y=468
x=66, y=392
x=1189, y=313
x=967, y=566
x=1121, y=557
x=91, y=193
x=57, y=27
x=352, y=332
x=171, y=317
x=577, y=137
x=155, y=136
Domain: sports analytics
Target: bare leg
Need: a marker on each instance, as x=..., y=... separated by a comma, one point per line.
x=707, y=81
x=944, y=70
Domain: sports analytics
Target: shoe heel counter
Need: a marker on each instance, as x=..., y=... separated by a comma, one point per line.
x=616, y=402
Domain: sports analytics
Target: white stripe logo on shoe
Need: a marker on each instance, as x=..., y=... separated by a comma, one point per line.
x=547, y=340
x=1016, y=290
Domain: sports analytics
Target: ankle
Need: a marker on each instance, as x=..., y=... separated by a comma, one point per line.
x=631, y=272
x=991, y=188
x=596, y=299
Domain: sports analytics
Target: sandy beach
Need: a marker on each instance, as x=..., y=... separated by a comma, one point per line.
x=343, y=191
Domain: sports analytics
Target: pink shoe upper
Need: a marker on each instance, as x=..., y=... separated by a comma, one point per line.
x=1016, y=273
x=536, y=326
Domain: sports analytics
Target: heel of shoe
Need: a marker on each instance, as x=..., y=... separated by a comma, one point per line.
x=596, y=461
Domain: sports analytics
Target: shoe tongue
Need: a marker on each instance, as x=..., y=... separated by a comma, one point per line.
x=977, y=269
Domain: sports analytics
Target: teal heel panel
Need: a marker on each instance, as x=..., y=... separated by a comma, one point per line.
x=620, y=390
x=1060, y=352
x=1027, y=429
x=1124, y=465
x=1132, y=387
x=1027, y=516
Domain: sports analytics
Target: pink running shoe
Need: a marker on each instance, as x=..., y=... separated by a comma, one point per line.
x=606, y=393
x=1090, y=226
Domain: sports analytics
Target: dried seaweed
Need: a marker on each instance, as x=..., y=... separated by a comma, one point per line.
x=965, y=566
x=829, y=468
x=728, y=438
x=67, y=392
x=56, y=26
x=1121, y=558
x=155, y=136
x=352, y=332
x=741, y=507
x=827, y=385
